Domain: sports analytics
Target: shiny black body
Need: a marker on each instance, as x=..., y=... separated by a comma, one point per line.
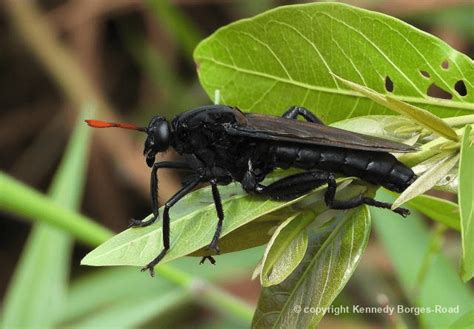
x=220, y=144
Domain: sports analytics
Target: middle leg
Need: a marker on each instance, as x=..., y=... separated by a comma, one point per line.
x=220, y=215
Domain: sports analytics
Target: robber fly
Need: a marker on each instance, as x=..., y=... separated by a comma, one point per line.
x=221, y=144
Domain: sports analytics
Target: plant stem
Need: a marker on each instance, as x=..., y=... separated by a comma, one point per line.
x=17, y=198
x=460, y=121
x=430, y=149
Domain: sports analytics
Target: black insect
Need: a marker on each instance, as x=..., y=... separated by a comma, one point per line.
x=221, y=144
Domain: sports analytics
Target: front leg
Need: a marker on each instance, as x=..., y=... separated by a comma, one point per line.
x=154, y=189
x=166, y=223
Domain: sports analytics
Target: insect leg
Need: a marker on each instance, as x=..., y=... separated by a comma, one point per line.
x=332, y=203
x=294, y=111
x=291, y=187
x=166, y=223
x=220, y=215
x=154, y=189
x=209, y=258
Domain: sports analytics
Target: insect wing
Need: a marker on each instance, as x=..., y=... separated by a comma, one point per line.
x=303, y=132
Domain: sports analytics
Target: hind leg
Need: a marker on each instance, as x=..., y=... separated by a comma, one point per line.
x=287, y=188
x=294, y=111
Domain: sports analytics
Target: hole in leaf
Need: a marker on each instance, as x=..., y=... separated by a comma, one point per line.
x=425, y=74
x=460, y=87
x=388, y=84
x=435, y=91
x=445, y=64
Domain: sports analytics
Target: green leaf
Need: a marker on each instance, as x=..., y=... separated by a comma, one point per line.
x=396, y=128
x=407, y=243
x=422, y=117
x=440, y=210
x=287, y=56
x=427, y=180
x=334, y=251
x=138, y=246
x=286, y=249
x=466, y=200
x=38, y=289
x=255, y=233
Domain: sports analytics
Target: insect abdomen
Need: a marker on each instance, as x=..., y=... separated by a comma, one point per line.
x=379, y=168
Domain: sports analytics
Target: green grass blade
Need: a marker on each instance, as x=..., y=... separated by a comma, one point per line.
x=133, y=312
x=107, y=288
x=22, y=200
x=37, y=292
x=466, y=203
x=103, y=289
x=407, y=242
x=176, y=23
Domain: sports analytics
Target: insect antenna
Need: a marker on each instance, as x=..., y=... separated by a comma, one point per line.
x=105, y=124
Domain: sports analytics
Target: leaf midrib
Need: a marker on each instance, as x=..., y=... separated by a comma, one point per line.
x=410, y=99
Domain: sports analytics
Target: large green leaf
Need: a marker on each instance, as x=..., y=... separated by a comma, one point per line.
x=334, y=251
x=38, y=289
x=420, y=116
x=193, y=226
x=466, y=203
x=287, y=56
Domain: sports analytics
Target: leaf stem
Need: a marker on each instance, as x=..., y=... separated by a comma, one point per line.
x=17, y=198
x=430, y=149
x=460, y=121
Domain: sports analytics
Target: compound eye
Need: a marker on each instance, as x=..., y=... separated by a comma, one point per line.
x=162, y=136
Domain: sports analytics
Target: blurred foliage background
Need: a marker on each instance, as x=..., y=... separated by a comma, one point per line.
x=133, y=59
